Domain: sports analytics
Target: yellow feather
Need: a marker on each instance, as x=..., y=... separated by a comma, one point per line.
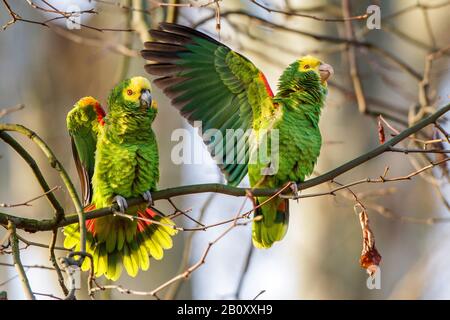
x=132, y=92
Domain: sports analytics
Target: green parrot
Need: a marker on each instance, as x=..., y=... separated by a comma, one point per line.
x=209, y=82
x=116, y=156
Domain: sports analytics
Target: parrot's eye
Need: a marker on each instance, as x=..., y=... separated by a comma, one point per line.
x=129, y=92
x=306, y=66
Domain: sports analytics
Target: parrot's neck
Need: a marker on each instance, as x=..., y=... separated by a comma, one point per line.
x=314, y=97
x=303, y=103
x=305, y=88
x=129, y=127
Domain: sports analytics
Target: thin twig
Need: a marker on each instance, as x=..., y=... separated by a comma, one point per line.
x=39, y=225
x=381, y=179
x=54, y=162
x=259, y=294
x=6, y=111
x=244, y=273
x=319, y=37
x=186, y=274
x=351, y=56
x=29, y=243
x=28, y=202
x=95, y=42
x=28, y=266
x=173, y=290
x=48, y=295
x=18, y=264
x=55, y=263
x=59, y=211
x=303, y=15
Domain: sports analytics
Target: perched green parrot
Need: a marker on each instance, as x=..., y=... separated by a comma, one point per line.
x=209, y=82
x=116, y=156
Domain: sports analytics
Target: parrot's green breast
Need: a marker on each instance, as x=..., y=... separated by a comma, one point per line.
x=298, y=142
x=128, y=169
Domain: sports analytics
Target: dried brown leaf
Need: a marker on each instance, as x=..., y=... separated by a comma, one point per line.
x=381, y=135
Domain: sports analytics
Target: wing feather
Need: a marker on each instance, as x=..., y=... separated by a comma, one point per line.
x=209, y=82
x=83, y=123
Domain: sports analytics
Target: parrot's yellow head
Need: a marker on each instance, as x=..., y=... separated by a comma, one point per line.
x=133, y=89
x=312, y=64
x=306, y=76
x=133, y=95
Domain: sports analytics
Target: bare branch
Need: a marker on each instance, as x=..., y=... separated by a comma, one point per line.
x=18, y=264
x=381, y=179
x=95, y=42
x=29, y=243
x=4, y=112
x=174, y=289
x=39, y=225
x=30, y=266
x=28, y=202
x=54, y=162
x=320, y=37
x=351, y=56
x=184, y=275
x=418, y=5
x=48, y=295
x=303, y=15
x=244, y=273
x=55, y=263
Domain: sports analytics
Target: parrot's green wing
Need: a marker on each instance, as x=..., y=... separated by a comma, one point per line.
x=83, y=123
x=209, y=82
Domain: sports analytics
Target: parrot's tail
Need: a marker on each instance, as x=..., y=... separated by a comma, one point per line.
x=274, y=222
x=115, y=241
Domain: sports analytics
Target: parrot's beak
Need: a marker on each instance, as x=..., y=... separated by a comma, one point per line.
x=146, y=98
x=325, y=71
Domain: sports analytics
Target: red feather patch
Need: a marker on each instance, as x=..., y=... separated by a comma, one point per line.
x=90, y=224
x=266, y=84
x=100, y=113
x=147, y=214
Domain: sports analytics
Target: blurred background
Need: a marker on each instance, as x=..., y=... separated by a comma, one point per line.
x=48, y=68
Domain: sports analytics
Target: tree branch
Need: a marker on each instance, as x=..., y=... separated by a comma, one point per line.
x=320, y=37
x=55, y=263
x=18, y=264
x=59, y=211
x=351, y=56
x=4, y=112
x=303, y=15
x=54, y=162
x=49, y=224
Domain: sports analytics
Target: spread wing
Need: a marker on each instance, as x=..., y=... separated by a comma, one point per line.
x=209, y=82
x=83, y=123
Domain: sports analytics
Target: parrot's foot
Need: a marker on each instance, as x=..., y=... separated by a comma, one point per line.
x=294, y=189
x=148, y=197
x=121, y=202
x=249, y=195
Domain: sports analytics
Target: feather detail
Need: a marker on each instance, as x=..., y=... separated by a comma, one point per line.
x=209, y=82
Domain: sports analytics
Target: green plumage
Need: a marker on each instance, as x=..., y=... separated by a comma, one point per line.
x=209, y=82
x=125, y=152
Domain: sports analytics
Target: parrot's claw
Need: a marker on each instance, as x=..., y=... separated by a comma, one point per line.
x=121, y=202
x=294, y=189
x=148, y=197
